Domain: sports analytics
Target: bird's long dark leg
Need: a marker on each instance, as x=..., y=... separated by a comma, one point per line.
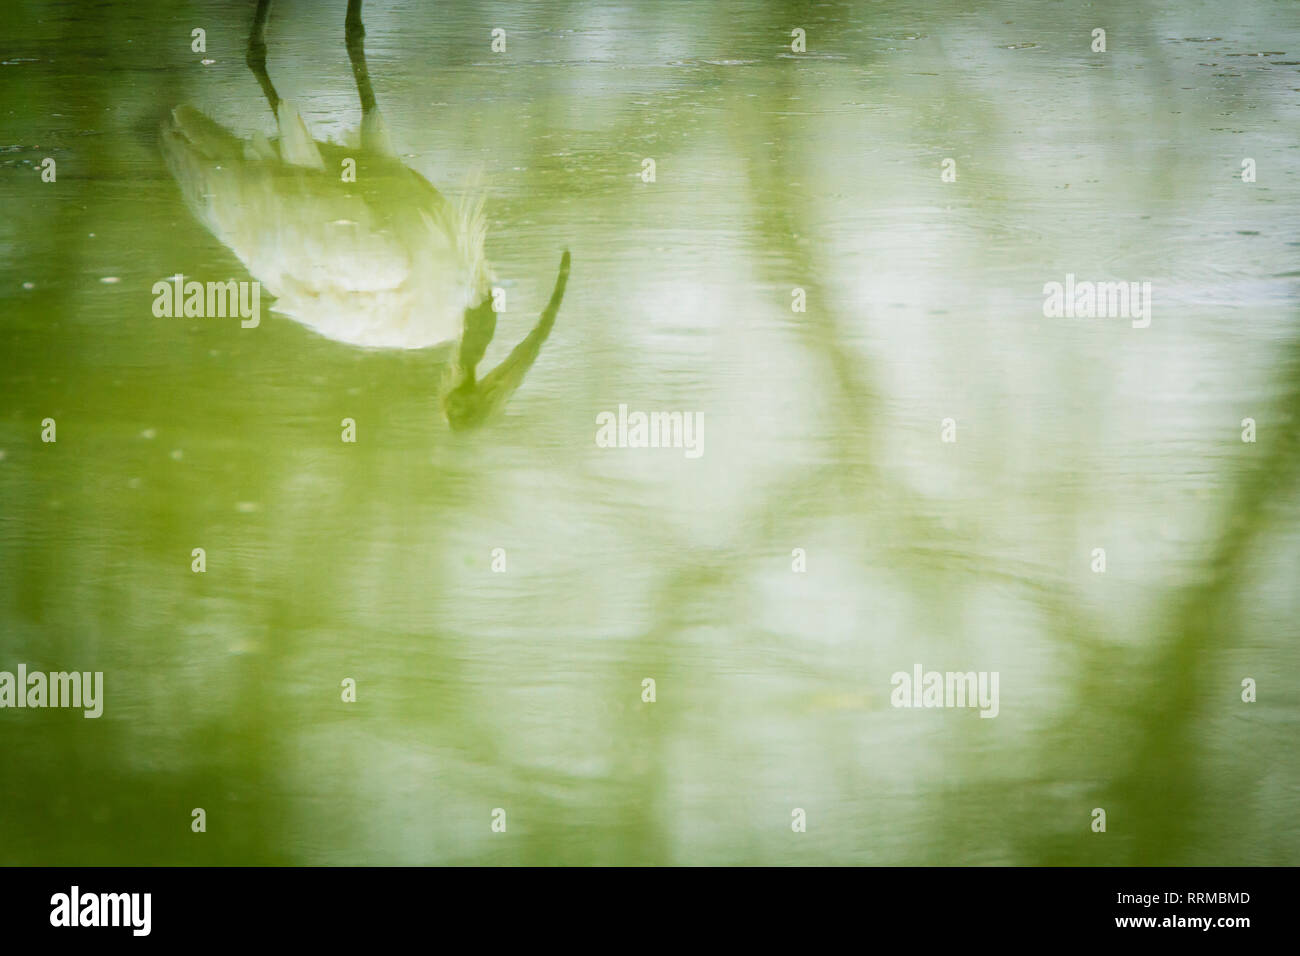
x=356, y=35
x=256, y=57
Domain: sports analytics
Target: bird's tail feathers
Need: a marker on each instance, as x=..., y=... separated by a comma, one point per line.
x=374, y=133
x=296, y=145
x=204, y=135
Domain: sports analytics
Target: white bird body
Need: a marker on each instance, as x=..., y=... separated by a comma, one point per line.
x=384, y=262
x=378, y=259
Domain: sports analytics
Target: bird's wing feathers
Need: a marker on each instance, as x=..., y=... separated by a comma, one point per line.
x=284, y=220
x=382, y=260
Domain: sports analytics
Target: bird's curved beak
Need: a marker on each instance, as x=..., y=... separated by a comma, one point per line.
x=469, y=402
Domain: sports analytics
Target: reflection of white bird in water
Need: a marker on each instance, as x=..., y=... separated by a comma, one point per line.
x=385, y=261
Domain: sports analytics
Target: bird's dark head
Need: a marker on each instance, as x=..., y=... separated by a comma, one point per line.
x=463, y=405
x=468, y=401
